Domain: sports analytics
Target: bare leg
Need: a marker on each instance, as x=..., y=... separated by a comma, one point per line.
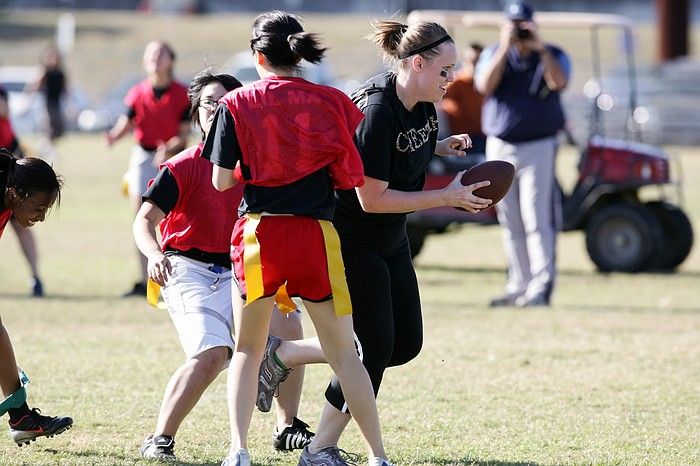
x=9, y=380
x=252, y=324
x=186, y=387
x=336, y=337
x=330, y=427
x=295, y=353
x=28, y=245
x=288, y=327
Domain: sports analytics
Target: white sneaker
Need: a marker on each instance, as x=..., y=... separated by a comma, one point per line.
x=240, y=458
x=379, y=462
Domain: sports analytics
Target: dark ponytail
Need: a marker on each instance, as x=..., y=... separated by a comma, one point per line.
x=281, y=38
x=30, y=176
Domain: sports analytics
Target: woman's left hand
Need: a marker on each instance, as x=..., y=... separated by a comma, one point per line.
x=457, y=144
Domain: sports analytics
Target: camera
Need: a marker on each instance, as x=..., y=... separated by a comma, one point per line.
x=523, y=34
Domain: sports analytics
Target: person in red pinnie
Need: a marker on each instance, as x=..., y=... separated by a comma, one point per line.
x=293, y=143
x=158, y=113
x=28, y=189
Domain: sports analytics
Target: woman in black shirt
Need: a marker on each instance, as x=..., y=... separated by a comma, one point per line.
x=397, y=140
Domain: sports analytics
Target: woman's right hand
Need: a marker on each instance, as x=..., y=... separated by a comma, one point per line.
x=457, y=195
x=159, y=268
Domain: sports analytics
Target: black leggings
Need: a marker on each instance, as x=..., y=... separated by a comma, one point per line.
x=385, y=302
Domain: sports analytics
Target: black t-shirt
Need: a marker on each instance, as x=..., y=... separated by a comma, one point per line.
x=54, y=85
x=163, y=192
x=298, y=198
x=396, y=146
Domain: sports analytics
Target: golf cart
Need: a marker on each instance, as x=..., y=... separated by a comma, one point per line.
x=625, y=231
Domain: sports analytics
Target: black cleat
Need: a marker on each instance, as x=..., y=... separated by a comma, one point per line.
x=161, y=447
x=33, y=425
x=37, y=288
x=295, y=437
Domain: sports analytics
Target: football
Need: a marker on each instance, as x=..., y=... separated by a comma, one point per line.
x=500, y=173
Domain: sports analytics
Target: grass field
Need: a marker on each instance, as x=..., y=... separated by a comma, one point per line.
x=608, y=375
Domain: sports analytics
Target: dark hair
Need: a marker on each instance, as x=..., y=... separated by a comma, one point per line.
x=280, y=37
x=30, y=176
x=398, y=40
x=202, y=79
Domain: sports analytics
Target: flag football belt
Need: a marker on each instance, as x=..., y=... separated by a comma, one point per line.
x=18, y=398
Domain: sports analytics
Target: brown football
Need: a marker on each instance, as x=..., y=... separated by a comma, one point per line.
x=500, y=173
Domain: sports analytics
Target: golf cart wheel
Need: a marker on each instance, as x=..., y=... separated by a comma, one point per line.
x=416, y=238
x=623, y=237
x=677, y=235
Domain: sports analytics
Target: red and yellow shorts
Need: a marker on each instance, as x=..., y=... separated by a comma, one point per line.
x=301, y=256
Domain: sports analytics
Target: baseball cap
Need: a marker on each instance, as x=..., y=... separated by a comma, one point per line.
x=519, y=11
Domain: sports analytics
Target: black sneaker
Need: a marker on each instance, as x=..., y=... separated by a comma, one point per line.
x=295, y=437
x=139, y=290
x=33, y=425
x=161, y=447
x=37, y=287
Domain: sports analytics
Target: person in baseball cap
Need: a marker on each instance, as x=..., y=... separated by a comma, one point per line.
x=519, y=11
x=521, y=78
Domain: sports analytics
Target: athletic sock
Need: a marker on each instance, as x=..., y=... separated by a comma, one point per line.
x=18, y=413
x=279, y=361
x=163, y=439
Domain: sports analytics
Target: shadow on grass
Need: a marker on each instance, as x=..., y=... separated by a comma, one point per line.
x=16, y=32
x=13, y=31
x=471, y=462
x=60, y=297
x=117, y=458
x=565, y=272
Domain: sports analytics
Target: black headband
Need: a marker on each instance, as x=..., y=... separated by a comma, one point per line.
x=425, y=47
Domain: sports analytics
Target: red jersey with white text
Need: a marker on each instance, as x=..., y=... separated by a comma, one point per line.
x=202, y=217
x=288, y=128
x=156, y=119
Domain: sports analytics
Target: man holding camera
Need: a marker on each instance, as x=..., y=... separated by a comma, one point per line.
x=521, y=77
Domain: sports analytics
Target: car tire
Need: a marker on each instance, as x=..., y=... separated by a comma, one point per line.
x=677, y=236
x=623, y=237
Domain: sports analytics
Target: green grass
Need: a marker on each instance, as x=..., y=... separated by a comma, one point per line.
x=608, y=375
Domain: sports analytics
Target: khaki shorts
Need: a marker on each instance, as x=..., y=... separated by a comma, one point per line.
x=198, y=296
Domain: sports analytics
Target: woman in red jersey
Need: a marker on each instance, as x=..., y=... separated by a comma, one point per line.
x=293, y=143
x=28, y=189
x=193, y=266
x=158, y=113
x=9, y=142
